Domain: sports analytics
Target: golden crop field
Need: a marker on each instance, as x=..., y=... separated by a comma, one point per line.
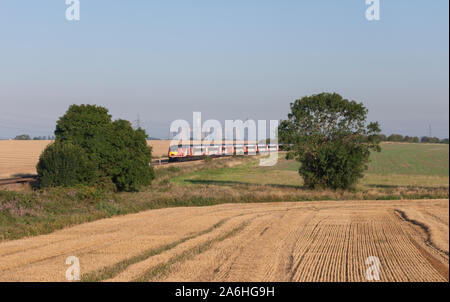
x=160, y=148
x=20, y=157
x=310, y=241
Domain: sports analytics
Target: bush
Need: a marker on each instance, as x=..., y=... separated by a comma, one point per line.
x=65, y=164
x=117, y=153
x=290, y=156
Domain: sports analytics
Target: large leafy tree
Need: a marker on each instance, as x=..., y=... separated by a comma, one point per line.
x=115, y=151
x=331, y=138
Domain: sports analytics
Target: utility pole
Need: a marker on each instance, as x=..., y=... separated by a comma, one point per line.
x=138, y=121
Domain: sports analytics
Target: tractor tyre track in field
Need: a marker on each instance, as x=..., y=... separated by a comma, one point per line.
x=425, y=229
x=438, y=265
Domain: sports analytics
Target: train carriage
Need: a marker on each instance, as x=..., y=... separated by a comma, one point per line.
x=251, y=149
x=227, y=150
x=214, y=150
x=272, y=148
x=198, y=150
x=181, y=152
x=239, y=150
x=262, y=149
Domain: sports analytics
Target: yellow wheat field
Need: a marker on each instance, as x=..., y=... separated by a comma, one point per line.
x=20, y=157
x=310, y=241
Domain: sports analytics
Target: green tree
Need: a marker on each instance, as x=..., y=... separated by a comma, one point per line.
x=430, y=140
x=118, y=153
x=131, y=157
x=23, y=137
x=411, y=139
x=382, y=137
x=425, y=139
x=65, y=164
x=331, y=139
x=88, y=126
x=395, y=138
x=408, y=139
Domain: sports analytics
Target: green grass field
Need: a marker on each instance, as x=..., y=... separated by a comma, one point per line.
x=397, y=165
x=411, y=159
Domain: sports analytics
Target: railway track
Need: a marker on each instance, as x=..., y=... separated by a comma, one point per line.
x=160, y=162
x=17, y=180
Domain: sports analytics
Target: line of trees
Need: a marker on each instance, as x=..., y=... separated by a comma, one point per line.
x=38, y=138
x=412, y=139
x=26, y=137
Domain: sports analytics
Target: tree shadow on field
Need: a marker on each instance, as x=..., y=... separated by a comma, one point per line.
x=24, y=175
x=247, y=184
x=383, y=186
x=33, y=184
x=393, y=187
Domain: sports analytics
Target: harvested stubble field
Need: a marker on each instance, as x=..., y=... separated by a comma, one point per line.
x=310, y=241
x=19, y=158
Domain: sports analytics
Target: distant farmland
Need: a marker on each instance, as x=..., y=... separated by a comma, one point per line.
x=396, y=160
x=411, y=159
x=408, y=159
x=20, y=157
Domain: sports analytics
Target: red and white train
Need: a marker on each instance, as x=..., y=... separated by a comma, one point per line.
x=180, y=152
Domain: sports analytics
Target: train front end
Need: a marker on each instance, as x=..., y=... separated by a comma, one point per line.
x=177, y=153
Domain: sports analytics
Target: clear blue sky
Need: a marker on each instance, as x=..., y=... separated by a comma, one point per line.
x=229, y=59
